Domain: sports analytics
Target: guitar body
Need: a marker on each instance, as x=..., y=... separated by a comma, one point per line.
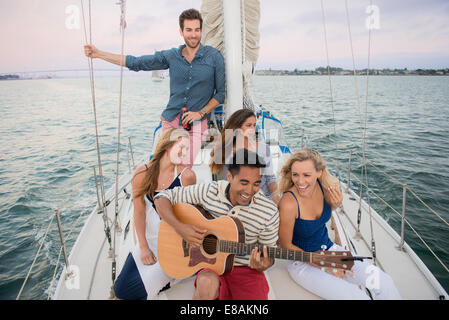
x=179, y=260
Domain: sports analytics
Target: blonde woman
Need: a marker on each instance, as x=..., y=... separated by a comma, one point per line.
x=142, y=277
x=310, y=194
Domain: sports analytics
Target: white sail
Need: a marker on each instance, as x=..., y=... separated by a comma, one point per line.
x=214, y=35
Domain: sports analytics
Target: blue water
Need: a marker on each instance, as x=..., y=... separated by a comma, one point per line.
x=47, y=150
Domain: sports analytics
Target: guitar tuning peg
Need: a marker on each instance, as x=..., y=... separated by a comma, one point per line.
x=323, y=247
x=334, y=270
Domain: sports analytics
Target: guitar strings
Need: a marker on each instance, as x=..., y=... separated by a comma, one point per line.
x=211, y=244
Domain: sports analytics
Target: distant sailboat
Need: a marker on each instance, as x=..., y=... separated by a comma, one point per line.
x=157, y=75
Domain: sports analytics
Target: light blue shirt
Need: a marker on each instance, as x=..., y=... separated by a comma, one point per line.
x=191, y=84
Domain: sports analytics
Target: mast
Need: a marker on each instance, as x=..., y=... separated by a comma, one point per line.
x=233, y=55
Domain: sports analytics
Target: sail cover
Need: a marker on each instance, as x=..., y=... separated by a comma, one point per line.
x=213, y=35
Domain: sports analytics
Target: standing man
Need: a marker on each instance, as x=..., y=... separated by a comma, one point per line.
x=197, y=78
x=238, y=197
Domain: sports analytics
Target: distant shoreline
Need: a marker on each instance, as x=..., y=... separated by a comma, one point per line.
x=321, y=71
x=343, y=72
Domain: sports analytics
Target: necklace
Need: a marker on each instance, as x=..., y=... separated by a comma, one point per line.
x=166, y=182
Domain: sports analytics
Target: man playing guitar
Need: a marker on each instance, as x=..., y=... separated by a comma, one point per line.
x=238, y=197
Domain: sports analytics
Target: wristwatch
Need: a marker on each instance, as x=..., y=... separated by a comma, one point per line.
x=203, y=113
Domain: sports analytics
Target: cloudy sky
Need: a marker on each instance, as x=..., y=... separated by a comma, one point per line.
x=45, y=34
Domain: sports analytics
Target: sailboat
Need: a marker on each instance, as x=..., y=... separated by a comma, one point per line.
x=107, y=237
x=157, y=75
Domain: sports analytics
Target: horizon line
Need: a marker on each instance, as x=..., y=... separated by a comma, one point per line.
x=262, y=69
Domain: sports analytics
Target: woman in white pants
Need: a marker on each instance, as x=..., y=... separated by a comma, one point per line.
x=310, y=194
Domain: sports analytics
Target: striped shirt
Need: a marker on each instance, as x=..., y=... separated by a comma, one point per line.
x=260, y=218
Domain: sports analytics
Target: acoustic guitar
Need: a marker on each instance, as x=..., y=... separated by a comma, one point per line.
x=224, y=240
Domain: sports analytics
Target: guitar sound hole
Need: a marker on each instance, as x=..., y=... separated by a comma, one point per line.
x=210, y=244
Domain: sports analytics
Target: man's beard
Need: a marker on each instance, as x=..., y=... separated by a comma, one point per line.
x=188, y=43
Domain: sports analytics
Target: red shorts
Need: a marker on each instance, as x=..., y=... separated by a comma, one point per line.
x=242, y=283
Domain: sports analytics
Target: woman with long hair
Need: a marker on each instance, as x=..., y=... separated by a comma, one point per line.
x=239, y=133
x=309, y=195
x=142, y=277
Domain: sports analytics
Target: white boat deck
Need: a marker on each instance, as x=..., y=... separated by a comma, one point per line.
x=90, y=255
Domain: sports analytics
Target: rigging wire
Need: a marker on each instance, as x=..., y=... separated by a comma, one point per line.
x=330, y=84
x=363, y=127
x=363, y=130
x=328, y=69
x=35, y=258
x=107, y=228
x=117, y=228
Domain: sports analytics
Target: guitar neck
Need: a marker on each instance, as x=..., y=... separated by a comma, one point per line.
x=243, y=249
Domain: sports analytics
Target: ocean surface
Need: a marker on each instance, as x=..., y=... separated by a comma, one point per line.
x=48, y=150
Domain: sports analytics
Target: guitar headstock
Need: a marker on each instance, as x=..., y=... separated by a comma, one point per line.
x=333, y=259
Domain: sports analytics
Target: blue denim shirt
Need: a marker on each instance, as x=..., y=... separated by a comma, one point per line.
x=191, y=84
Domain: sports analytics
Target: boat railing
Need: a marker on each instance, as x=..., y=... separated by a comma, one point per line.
x=402, y=215
x=273, y=134
x=63, y=249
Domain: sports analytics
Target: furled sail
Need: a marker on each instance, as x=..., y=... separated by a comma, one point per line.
x=213, y=35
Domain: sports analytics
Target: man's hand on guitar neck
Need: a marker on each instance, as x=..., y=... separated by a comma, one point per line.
x=260, y=263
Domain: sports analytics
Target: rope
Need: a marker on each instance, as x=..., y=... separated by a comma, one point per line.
x=35, y=258
x=92, y=87
x=122, y=4
x=422, y=240
x=60, y=252
x=357, y=98
x=329, y=75
x=359, y=108
x=364, y=141
x=353, y=66
x=70, y=196
x=92, y=278
x=431, y=210
x=408, y=188
x=74, y=225
x=408, y=223
x=364, y=171
x=379, y=197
